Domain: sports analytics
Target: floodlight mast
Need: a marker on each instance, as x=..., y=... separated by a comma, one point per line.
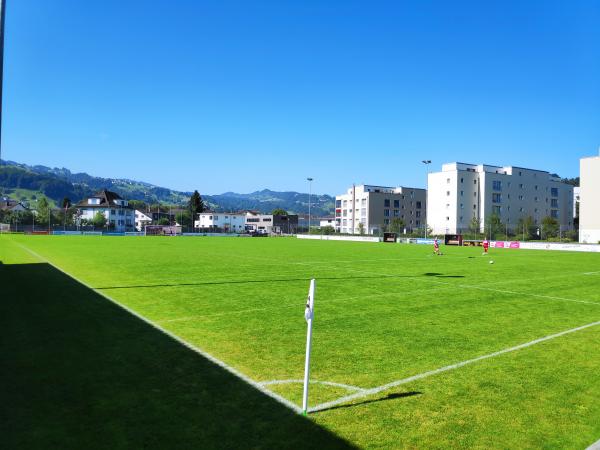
x=2, y=14
x=426, y=162
x=310, y=180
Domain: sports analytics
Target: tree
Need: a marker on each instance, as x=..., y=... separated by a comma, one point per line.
x=279, y=212
x=195, y=205
x=475, y=225
x=550, y=226
x=527, y=227
x=361, y=228
x=164, y=221
x=43, y=211
x=66, y=203
x=99, y=221
x=328, y=229
x=493, y=224
x=397, y=225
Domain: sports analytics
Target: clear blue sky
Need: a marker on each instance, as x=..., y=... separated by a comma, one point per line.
x=239, y=96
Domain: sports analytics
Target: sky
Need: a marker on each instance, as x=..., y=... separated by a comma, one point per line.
x=241, y=96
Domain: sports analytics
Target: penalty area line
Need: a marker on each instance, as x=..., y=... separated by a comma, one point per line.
x=283, y=401
x=384, y=387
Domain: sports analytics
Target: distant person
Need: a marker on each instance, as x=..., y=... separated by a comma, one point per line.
x=436, y=247
x=486, y=245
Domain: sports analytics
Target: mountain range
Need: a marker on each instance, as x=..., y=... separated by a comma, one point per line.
x=25, y=183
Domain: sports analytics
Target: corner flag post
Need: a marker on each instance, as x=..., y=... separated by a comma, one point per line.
x=308, y=315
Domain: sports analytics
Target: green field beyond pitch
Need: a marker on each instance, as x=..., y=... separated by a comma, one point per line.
x=383, y=313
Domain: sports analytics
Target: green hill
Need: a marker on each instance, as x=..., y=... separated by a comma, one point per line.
x=26, y=183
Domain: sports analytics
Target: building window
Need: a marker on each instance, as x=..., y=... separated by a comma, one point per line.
x=554, y=203
x=418, y=214
x=396, y=213
x=461, y=193
x=448, y=193
x=386, y=203
x=474, y=206
x=418, y=205
x=520, y=185
x=497, y=198
x=497, y=185
x=554, y=192
x=447, y=180
x=554, y=213
x=386, y=221
x=396, y=203
x=447, y=218
x=386, y=212
x=461, y=180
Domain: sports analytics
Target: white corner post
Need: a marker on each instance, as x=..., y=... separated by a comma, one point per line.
x=308, y=315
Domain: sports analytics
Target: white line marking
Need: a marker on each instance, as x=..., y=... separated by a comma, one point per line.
x=482, y=288
x=591, y=273
x=420, y=376
x=526, y=293
x=208, y=356
x=594, y=446
x=327, y=383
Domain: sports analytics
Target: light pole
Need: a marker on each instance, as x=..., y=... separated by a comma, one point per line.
x=426, y=162
x=310, y=180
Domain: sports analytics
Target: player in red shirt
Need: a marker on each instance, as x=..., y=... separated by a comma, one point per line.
x=436, y=247
x=486, y=245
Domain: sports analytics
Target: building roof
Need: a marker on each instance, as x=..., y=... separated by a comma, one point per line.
x=107, y=200
x=8, y=204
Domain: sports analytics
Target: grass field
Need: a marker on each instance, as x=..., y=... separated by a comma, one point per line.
x=387, y=317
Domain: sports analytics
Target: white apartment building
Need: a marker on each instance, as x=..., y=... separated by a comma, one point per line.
x=576, y=198
x=463, y=191
x=589, y=203
x=119, y=215
x=141, y=220
x=227, y=222
x=373, y=208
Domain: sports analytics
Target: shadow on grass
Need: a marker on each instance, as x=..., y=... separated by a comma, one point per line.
x=271, y=280
x=393, y=396
x=441, y=275
x=77, y=371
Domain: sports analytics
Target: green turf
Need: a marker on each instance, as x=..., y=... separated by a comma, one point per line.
x=383, y=312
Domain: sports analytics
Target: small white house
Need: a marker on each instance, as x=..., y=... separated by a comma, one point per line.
x=141, y=220
x=227, y=222
x=327, y=222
